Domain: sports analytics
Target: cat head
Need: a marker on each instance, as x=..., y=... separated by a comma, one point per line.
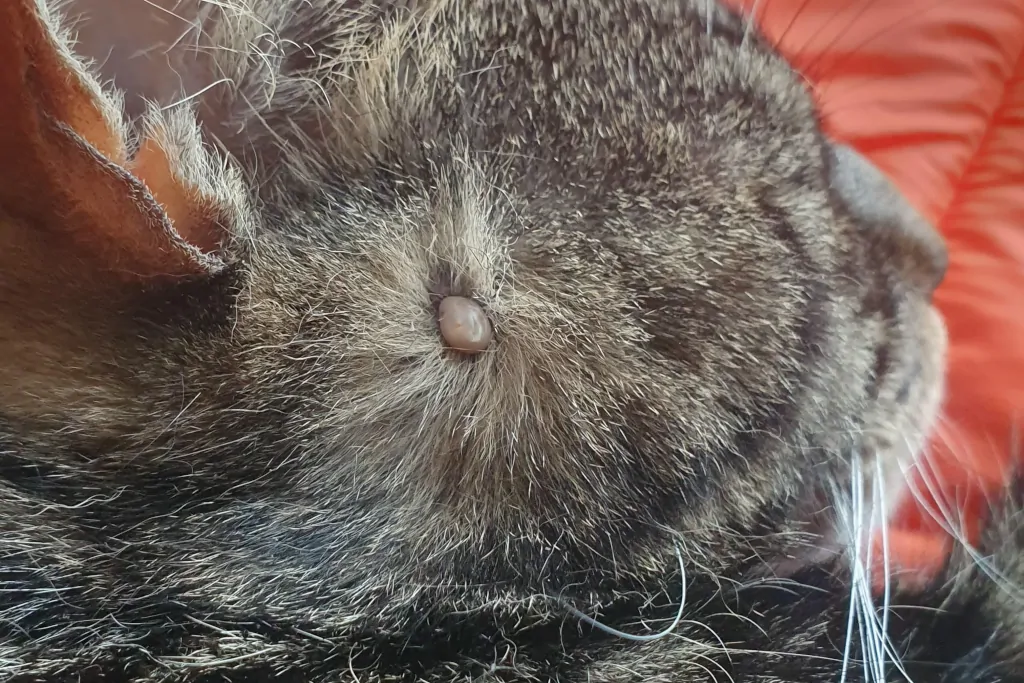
x=690, y=306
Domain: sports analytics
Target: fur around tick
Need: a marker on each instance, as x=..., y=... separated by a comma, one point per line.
x=234, y=446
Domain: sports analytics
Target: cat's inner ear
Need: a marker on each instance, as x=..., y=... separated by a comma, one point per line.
x=79, y=211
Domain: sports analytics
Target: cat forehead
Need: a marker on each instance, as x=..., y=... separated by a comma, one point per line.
x=499, y=102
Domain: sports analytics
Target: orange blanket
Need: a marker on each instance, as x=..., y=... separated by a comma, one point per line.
x=933, y=92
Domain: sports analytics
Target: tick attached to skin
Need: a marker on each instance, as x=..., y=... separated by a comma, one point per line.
x=464, y=324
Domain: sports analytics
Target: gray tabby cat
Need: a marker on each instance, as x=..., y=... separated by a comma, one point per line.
x=457, y=340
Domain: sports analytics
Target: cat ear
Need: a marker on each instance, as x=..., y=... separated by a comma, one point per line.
x=76, y=211
x=878, y=205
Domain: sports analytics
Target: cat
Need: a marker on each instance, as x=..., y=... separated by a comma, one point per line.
x=459, y=340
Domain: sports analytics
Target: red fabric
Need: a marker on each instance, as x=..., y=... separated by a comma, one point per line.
x=933, y=92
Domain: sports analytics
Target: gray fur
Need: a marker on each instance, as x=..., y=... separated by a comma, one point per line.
x=699, y=321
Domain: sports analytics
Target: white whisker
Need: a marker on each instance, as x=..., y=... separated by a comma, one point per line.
x=856, y=526
x=886, y=569
x=845, y=524
x=640, y=638
x=943, y=515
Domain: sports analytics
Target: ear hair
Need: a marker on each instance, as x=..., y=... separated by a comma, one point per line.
x=204, y=198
